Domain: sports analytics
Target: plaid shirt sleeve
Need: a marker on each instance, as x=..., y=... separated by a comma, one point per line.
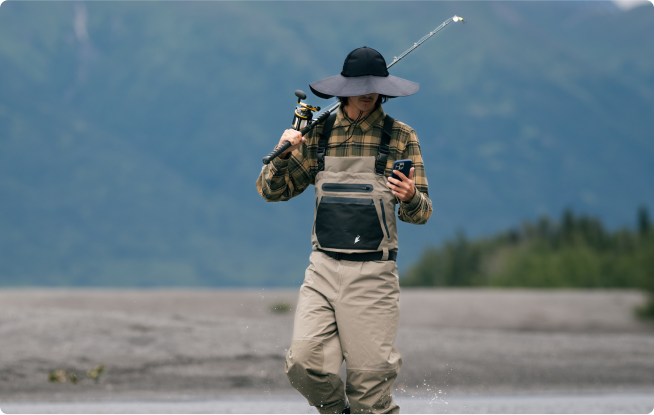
x=418, y=210
x=283, y=179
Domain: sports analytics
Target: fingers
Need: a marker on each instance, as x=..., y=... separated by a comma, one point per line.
x=406, y=182
x=403, y=189
x=400, y=174
x=294, y=137
x=394, y=181
x=395, y=184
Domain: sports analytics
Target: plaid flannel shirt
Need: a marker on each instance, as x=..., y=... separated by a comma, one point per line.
x=283, y=179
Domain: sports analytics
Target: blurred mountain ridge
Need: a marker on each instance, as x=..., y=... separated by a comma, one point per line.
x=131, y=134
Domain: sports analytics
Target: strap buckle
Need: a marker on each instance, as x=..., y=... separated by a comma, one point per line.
x=384, y=146
x=320, y=156
x=380, y=165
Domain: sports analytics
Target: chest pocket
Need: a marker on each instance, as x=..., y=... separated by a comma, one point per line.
x=348, y=222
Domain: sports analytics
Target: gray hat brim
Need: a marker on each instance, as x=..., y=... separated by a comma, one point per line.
x=343, y=86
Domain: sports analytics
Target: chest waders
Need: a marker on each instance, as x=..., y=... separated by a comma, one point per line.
x=348, y=306
x=355, y=209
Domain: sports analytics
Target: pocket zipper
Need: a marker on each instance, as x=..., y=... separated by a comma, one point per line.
x=347, y=187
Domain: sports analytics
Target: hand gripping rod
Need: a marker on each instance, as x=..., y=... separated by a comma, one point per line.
x=326, y=113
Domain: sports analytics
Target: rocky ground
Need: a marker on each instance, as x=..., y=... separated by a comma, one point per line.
x=216, y=344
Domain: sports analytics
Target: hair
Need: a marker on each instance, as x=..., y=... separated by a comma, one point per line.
x=381, y=100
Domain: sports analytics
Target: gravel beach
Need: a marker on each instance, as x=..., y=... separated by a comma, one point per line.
x=180, y=345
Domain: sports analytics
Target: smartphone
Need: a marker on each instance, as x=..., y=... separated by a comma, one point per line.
x=401, y=165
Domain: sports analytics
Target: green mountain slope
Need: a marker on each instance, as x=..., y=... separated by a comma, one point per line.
x=131, y=134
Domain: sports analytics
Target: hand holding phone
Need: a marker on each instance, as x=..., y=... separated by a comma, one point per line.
x=402, y=165
x=401, y=189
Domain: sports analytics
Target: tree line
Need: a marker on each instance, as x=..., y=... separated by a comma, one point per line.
x=576, y=251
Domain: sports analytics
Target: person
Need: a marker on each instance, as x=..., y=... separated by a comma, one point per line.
x=348, y=307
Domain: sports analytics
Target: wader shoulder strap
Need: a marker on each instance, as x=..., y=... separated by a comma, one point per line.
x=324, y=139
x=384, y=146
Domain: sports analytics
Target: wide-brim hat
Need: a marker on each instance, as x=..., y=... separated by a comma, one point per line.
x=364, y=72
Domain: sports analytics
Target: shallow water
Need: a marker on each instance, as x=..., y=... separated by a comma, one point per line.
x=618, y=404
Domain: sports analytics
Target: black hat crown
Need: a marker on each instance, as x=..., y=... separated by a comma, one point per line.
x=364, y=61
x=364, y=72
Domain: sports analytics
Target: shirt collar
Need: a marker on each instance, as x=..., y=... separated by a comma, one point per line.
x=374, y=118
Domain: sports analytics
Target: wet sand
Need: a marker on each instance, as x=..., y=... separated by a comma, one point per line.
x=215, y=344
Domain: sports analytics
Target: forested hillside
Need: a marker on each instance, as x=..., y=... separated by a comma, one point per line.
x=131, y=133
x=576, y=251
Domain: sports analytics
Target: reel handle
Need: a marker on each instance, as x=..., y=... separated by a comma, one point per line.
x=301, y=95
x=279, y=150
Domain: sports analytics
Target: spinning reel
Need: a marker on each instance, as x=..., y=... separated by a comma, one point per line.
x=303, y=112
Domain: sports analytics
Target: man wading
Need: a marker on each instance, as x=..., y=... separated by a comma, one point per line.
x=348, y=305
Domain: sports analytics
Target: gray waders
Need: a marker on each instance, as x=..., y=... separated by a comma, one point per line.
x=349, y=302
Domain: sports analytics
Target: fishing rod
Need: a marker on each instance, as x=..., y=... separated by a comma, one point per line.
x=303, y=119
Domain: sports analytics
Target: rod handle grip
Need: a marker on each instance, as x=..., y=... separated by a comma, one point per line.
x=276, y=152
x=279, y=150
x=322, y=117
